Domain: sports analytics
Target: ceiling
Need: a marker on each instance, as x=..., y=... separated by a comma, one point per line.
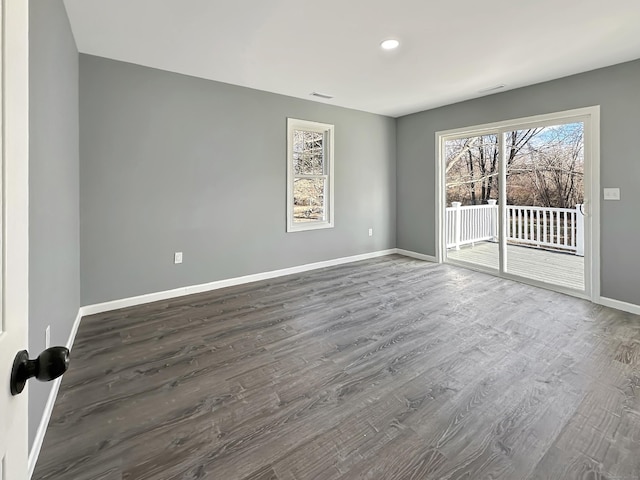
x=449, y=51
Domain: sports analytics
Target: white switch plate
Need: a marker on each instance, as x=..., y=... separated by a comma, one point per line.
x=371, y=232
x=611, y=193
x=47, y=337
x=177, y=257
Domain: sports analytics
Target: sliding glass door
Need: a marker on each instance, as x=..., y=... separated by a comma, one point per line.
x=515, y=199
x=471, y=196
x=544, y=214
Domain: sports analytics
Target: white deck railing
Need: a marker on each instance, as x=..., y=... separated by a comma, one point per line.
x=542, y=227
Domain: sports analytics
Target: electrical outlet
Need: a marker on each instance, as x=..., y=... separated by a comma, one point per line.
x=612, y=194
x=177, y=257
x=371, y=232
x=47, y=337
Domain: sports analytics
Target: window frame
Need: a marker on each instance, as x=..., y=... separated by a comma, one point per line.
x=328, y=160
x=590, y=117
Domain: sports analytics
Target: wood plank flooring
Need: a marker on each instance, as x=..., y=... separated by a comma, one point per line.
x=387, y=369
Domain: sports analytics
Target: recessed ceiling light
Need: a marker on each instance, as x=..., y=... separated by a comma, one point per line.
x=390, y=44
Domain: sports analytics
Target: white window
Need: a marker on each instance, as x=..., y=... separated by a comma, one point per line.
x=309, y=175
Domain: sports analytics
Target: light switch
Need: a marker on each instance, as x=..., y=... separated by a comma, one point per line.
x=612, y=194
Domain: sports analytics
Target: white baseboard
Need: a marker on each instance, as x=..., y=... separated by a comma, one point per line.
x=34, y=453
x=618, y=305
x=419, y=256
x=230, y=282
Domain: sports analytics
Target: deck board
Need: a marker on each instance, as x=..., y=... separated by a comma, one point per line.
x=557, y=268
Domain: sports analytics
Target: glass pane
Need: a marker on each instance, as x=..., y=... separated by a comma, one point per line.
x=309, y=200
x=471, y=216
x=545, y=196
x=308, y=153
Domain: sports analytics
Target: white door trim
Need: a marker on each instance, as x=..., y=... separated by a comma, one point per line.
x=591, y=118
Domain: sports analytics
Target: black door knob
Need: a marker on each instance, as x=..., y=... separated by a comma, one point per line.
x=50, y=364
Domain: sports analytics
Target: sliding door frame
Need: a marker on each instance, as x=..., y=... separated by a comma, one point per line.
x=590, y=117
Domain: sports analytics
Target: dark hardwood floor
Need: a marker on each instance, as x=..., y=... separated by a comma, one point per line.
x=384, y=369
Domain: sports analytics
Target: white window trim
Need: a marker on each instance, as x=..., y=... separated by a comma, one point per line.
x=328, y=131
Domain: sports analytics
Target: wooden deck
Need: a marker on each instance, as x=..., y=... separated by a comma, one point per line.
x=557, y=268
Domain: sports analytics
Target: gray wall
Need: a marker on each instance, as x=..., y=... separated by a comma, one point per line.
x=616, y=89
x=54, y=246
x=175, y=163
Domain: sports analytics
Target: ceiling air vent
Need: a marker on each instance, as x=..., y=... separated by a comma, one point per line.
x=492, y=89
x=321, y=95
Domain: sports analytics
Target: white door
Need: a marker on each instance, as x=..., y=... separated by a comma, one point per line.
x=14, y=217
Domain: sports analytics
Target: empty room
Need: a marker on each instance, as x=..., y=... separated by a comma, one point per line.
x=277, y=240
